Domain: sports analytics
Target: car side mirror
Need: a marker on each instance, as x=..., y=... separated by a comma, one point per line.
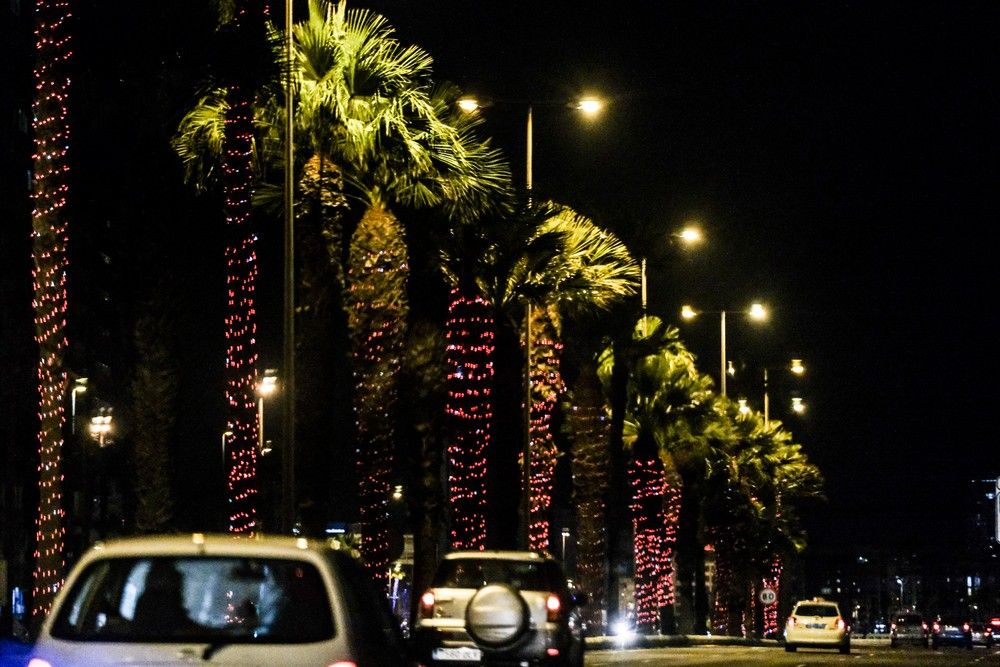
x=579, y=599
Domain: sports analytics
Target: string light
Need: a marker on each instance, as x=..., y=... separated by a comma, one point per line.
x=546, y=387
x=646, y=480
x=241, y=314
x=469, y=339
x=49, y=237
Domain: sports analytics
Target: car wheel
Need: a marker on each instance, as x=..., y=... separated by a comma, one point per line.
x=846, y=648
x=892, y=643
x=790, y=648
x=496, y=616
x=934, y=645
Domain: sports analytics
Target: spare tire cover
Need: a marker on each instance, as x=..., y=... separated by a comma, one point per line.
x=496, y=616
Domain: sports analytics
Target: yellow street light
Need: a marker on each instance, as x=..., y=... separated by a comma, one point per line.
x=796, y=367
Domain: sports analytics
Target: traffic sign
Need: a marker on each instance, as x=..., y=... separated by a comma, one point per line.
x=768, y=596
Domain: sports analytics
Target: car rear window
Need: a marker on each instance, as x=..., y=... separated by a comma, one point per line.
x=909, y=619
x=816, y=610
x=185, y=599
x=478, y=572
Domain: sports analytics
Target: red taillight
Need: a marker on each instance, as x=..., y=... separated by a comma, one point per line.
x=965, y=627
x=343, y=663
x=791, y=621
x=427, y=605
x=552, y=605
x=925, y=626
x=840, y=623
x=936, y=627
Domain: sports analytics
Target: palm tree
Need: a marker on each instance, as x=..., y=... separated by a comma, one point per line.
x=537, y=252
x=593, y=272
x=663, y=393
x=217, y=145
x=49, y=235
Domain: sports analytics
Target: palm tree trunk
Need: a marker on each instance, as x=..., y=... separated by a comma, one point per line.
x=647, y=484
x=546, y=387
x=240, y=322
x=377, y=313
x=469, y=334
x=49, y=236
x=589, y=427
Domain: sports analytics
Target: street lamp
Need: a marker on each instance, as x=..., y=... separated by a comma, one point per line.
x=79, y=387
x=589, y=106
x=288, y=316
x=756, y=312
x=265, y=388
x=689, y=236
x=796, y=367
x=100, y=426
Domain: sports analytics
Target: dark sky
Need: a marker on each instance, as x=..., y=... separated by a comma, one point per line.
x=841, y=156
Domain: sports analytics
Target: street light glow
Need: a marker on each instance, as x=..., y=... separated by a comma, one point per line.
x=797, y=367
x=758, y=311
x=589, y=105
x=691, y=235
x=468, y=104
x=688, y=313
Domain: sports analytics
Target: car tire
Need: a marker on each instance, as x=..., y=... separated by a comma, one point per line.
x=892, y=643
x=934, y=644
x=497, y=616
x=791, y=648
x=845, y=648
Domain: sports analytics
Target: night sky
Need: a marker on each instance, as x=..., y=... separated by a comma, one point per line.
x=841, y=157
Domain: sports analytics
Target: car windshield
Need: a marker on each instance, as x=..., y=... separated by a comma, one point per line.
x=190, y=599
x=816, y=610
x=478, y=572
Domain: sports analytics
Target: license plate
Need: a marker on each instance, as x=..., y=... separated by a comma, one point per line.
x=816, y=626
x=459, y=653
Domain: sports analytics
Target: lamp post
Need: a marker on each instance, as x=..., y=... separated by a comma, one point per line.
x=100, y=426
x=756, y=312
x=688, y=236
x=265, y=388
x=288, y=446
x=589, y=106
x=79, y=387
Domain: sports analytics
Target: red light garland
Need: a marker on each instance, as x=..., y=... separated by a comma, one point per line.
x=546, y=387
x=241, y=314
x=647, y=482
x=49, y=238
x=469, y=336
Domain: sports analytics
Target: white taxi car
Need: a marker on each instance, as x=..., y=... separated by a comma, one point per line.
x=204, y=599
x=817, y=623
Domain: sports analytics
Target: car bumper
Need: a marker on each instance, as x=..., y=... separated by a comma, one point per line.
x=538, y=644
x=820, y=638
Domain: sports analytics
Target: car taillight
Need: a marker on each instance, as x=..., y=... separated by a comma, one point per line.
x=936, y=627
x=965, y=627
x=552, y=606
x=343, y=663
x=840, y=623
x=925, y=626
x=427, y=605
x=893, y=627
x=791, y=621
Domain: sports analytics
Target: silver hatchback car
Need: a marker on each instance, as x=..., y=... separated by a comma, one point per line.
x=501, y=607
x=202, y=599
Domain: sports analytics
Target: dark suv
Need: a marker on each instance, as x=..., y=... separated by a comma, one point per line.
x=908, y=627
x=499, y=606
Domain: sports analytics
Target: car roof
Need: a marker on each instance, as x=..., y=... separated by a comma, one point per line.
x=499, y=554
x=200, y=544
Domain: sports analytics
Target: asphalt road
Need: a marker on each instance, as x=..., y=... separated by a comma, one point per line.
x=738, y=656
